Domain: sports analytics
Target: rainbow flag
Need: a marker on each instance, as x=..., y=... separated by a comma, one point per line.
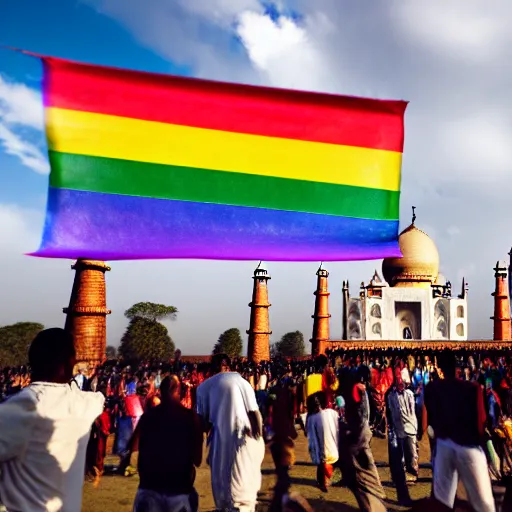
x=147, y=166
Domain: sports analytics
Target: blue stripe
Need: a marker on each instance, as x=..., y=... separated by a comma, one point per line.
x=114, y=227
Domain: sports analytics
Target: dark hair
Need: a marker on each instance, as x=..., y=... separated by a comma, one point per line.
x=51, y=350
x=220, y=360
x=169, y=385
x=315, y=402
x=447, y=362
x=321, y=362
x=363, y=374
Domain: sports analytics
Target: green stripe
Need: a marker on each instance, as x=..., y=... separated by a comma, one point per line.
x=125, y=177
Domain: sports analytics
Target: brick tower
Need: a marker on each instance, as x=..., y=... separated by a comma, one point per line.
x=321, y=316
x=259, y=331
x=502, y=325
x=510, y=273
x=86, y=315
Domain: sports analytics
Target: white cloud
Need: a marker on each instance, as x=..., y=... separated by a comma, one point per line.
x=483, y=143
x=20, y=105
x=20, y=109
x=192, y=33
x=29, y=154
x=460, y=29
x=266, y=40
x=222, y=12
x=283, y=51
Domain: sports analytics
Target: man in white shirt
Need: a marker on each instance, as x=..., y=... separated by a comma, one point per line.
x=227, y=404
x=44, y=431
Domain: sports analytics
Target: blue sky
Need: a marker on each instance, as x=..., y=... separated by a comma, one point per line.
x=67, y=29
x=450, y=61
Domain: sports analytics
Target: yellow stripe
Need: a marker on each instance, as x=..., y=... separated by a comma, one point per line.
x=87, y=133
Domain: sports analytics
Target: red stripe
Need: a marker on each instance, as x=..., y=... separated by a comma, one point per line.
x=229, y=107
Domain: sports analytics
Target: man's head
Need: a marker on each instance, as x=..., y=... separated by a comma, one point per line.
x=321, y=362
x=448, y=364
x=315, y=402
x=52, y=356
x=363, y=374
x=82, y=369
x=220, y=363
x=397, y=377
x=170, y=389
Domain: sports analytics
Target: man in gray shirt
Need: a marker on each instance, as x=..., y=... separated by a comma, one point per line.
x=402, y=436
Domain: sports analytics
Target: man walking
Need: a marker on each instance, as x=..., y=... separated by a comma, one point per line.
x=356, y=460
x=170, y=443
x=402, y=431
x=230, y=413
x=456, y=413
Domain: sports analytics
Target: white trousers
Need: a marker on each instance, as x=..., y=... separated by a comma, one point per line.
x=453, y=461
x=239, y=490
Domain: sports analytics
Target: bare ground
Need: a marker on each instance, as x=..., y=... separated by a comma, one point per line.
x=116, y=493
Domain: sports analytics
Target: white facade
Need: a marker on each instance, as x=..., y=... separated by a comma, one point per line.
x=382, y=312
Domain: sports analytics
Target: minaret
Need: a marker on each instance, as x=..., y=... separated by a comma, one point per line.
x=502, y=326
x=321, y=316
x=259, y=331
x=464, y=292
x=87, y=312
x=510, y=272
x=346, y=298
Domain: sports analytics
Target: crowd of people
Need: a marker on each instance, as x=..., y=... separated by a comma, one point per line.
x=56, y=421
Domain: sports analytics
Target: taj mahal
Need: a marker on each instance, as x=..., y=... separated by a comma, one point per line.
x=411, y=301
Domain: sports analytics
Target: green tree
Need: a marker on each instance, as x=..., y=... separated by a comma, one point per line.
x=229, y=343
x=145, y=336
x=290, y=345
x=15, y=341
x=146, y=340
x=151, y=311
x=111, y=352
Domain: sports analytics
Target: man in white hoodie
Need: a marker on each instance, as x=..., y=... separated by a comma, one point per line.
x=44, y=431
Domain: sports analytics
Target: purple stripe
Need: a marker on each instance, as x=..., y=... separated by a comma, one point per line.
x=115, y=227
